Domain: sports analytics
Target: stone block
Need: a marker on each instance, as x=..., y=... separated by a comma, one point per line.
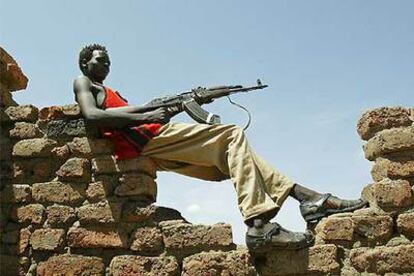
x=144, y=266
x=104, y=165
x=101, y=212
x=17, y=193
x=382, y=259
x=58, y=192
x=60, y=215
x=141, y=164
x=382, y=118
x=32, y=213
x=396, y=142
x=184, y=239
x=25, y=113
x=232, y=263
x=61, y=128
x=98, y=191
x=336, y=229
x=74, y=265
x=139, y=212
x=319, y=259
x=23, y=130
x=147, y=240
x=75, y=170
x=87, y=147
x=389, y=194
x=71, y=111
x=32, y=170
x=36, y=147
x=373, y=228
x=384, y=168
x=405, y=224
x=61, y=153
x=137, y=184
x=98, y=237
x=47, y=239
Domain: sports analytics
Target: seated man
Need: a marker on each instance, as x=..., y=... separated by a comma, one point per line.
x=211, y=152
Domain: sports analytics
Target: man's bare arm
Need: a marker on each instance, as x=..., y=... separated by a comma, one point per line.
x=111, y=117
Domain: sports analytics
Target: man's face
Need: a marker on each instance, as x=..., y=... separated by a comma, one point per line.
x=98, y=66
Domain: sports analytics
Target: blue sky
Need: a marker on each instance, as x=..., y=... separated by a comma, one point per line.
x=326, y=62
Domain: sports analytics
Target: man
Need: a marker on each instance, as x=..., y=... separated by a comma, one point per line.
x=210, y=152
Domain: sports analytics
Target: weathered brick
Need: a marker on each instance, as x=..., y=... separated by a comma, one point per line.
x=32, y=213
x=60, y=128
x=232, y=263
x=141, y=164
x=98, y=191
x=382, y=118
x=87, y=147
x=138, y=212
x=60, y=215
x=23, y=130
x=61, y=153
x=389, y=194
x=18, y=193
x=26, y=113
x=317, y=259
x=137, y=184
x=101, y=212
x=390, y=142
x=336, y=229
x=47, y=239
x=144, y=266
x=382, y=259
x=147, y=240
x=405, y=224
x=98, y=237
x=36, y=147
x=75, y=170
x=71, y=111
x=58, y=192
x=75, y=265
x=104, y=165
x=384, y=168
x=184, y=239
x=373, y=228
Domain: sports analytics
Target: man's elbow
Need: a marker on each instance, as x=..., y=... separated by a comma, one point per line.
x=92, y=116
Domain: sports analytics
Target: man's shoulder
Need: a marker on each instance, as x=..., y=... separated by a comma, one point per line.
x=81, y=80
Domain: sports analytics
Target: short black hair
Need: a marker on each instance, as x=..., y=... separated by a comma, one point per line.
x=86, y=53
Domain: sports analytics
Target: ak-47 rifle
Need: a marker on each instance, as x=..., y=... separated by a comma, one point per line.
x=191, y=101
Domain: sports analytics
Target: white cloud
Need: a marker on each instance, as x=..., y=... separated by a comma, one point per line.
x=193, y=208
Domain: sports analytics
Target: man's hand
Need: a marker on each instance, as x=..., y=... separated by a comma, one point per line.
x=159, y=115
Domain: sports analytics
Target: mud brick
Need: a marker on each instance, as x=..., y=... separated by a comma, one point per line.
x=390, y=142
x=97, y=237
x=36, y=147
x=26, y=113
x=32, y=213
x=60, y=215
x=236, y=262
x=184, y=239
x=384, y=168
x=101, y=212
x=16, y=194
x=389, y=194
x=47, y=239
x=87, y=147
x=75, y=265
x=60, y=128
x=98, y=191
x=144, y=266
x=373, y=228
x=336, y=229
x=75, y=170
x=71, y=111
x=104, y=165
x=141, y=164
x=382, y=259
x=58, y=192
x=147, y=240
x=382, y=118
x=23, y=130
x=405, y=224
x=320, y=259
x=137, y=184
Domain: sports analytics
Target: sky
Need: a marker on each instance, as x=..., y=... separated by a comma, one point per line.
x=325, y=61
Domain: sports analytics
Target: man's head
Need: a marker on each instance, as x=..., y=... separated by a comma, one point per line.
x=94, y=62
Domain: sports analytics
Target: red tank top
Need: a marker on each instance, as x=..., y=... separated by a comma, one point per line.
x=128, y=141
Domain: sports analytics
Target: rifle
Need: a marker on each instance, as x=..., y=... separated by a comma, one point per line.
x=191, y=101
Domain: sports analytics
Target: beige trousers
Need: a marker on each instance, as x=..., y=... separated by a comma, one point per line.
x=218, y=152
